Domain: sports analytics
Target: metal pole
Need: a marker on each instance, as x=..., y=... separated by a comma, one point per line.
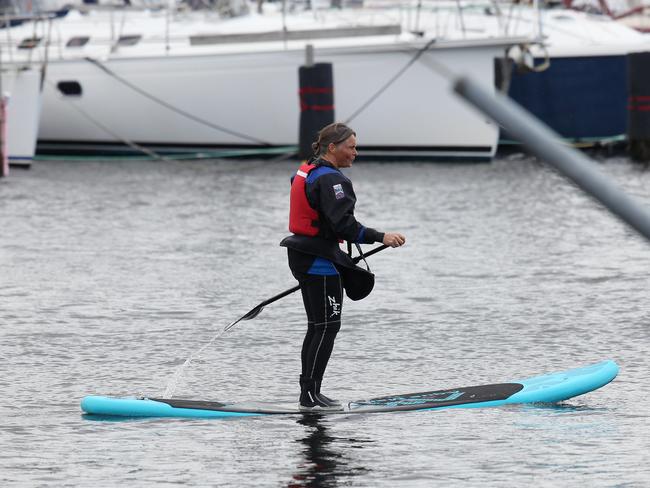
x=4, y=160
x=4, y=146
x=9, y=40
x=2, y=66
x=284, y=21
x=46, y=54
x=538, y=20
x=309, y=55
x=167, y=23
x=545, y=144
x=460, y=18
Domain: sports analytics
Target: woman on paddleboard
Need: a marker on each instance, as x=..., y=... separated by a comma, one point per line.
x=322, y=215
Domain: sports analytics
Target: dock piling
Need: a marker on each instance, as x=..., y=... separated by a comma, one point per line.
x=638, y=107
x=316, y=94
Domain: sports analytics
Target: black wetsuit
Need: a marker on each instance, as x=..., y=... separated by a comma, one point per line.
x=322, y=269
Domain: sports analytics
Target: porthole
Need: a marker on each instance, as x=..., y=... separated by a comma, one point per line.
x=29, y=43
x=128, y=40
x=69, y=88
x=77, y=41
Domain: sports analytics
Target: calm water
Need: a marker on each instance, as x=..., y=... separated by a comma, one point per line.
x=112, y=274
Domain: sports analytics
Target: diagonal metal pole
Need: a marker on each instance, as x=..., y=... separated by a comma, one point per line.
x=546, y=145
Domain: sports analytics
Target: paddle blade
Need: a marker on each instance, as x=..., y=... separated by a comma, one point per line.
x=250, y=315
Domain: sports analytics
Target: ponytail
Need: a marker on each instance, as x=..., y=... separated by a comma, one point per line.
x=334, y=133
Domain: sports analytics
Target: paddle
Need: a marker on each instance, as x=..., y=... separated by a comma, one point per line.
x=255, y=311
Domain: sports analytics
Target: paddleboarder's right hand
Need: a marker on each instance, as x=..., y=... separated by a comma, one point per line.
x=394, y=239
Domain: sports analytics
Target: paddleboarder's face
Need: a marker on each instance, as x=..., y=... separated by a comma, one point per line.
x=342, y=154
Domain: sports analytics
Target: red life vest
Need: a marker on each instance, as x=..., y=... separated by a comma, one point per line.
x=303, y=219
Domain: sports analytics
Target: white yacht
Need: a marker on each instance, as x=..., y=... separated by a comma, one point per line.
x=20, y=86
x=173, y=80
x=21, y=89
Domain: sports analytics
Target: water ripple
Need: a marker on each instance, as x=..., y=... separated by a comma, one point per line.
x=112, y=275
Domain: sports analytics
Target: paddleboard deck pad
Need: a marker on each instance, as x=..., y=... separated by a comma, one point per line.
x=548, y=388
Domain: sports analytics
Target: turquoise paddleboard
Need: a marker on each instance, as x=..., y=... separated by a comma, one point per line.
x=548, y=388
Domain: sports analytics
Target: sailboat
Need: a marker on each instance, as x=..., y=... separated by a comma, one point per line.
x=179, y=81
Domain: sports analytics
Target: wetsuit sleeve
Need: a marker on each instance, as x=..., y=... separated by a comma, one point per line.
x=336, y=201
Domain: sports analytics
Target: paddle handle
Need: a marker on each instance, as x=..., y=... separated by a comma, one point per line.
x=370, y=253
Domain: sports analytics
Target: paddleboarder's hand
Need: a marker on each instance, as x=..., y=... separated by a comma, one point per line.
x=394, y=239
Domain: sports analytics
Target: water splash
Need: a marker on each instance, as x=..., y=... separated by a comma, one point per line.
x=178, y=374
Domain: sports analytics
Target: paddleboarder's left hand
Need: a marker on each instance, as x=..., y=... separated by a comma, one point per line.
x=394, y=239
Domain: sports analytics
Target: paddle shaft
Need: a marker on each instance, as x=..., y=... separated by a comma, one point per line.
x=297, y=287
x=254, y=312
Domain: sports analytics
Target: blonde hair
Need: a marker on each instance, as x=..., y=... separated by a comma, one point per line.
x=334, y=133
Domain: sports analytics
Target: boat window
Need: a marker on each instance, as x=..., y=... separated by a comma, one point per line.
x=128, y=40
x=563, y=18
x=29, y=43
x=77, y=41
x=300, y=34
x=69, y=88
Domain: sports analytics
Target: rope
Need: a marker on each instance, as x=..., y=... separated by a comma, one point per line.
x=439, y=68
x=175, y=109
x=392, y=80
x=124, y=140
x=185, y=156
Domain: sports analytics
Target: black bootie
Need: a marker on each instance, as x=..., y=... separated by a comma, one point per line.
x=309, y=400
x=329, y=401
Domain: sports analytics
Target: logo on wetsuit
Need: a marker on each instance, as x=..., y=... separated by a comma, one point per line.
x=336, y=307
x=338, y=191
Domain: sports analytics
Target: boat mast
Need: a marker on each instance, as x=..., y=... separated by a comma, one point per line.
x=538, y=33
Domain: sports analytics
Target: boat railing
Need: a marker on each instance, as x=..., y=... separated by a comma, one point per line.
x=360, y=31
x=633, y=13
x=40, y=24
x=431, y=19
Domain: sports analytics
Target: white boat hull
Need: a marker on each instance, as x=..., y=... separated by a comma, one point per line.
x=256, y=94
x=23, y=110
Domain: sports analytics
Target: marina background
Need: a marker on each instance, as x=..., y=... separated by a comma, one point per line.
x=161, y=78
x=113, y=273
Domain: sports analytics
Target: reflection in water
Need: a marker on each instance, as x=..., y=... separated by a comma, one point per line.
x=325, y=462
